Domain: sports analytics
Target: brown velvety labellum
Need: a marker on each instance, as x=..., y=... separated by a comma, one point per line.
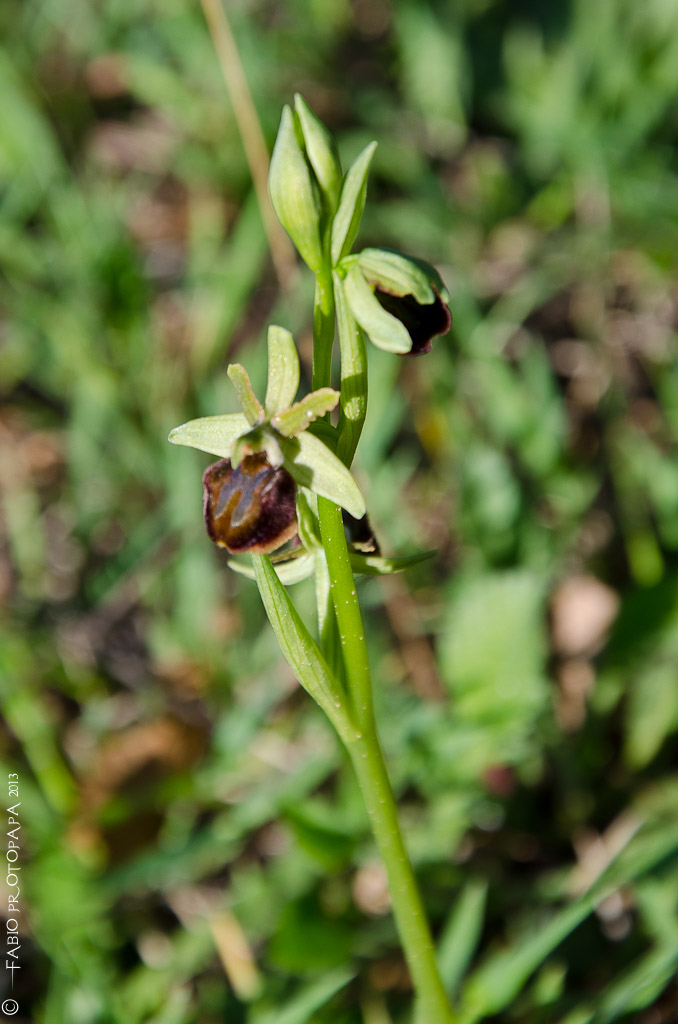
x=422, y=322
x=251, y=508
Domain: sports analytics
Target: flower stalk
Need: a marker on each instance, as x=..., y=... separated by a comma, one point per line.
x=284, y=477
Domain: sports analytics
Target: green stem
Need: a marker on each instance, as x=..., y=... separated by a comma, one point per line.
x=364, y=748
x=347, y=612
x=368, y=762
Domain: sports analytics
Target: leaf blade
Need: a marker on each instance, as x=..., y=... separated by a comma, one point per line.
x=299, y=648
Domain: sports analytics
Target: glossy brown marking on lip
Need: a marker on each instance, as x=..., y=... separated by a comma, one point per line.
x=251, y=508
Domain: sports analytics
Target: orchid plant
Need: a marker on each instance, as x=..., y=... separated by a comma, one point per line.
x=283, y=496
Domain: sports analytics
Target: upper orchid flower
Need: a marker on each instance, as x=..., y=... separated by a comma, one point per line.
x=399, y=301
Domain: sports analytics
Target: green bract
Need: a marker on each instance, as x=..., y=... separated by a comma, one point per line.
x=352, y=204
x=320, y=151
x=295, y=194
x=278, y=428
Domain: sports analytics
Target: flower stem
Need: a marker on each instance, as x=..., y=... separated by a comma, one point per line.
x=368, y=763
x=364, y=748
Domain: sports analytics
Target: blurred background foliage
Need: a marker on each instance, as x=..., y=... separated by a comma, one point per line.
x=192, y=846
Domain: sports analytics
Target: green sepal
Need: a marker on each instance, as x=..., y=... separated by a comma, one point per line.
x=300, y=650
x=311, y=464
x=321, y=152
x=283, y=370
x=375, y=565
x=293, y=193
x=400, y=274
x=351, y=205
x=249, y=403
x=383, y=330
x=299, y=416
x=216, y=435
x=294, y=568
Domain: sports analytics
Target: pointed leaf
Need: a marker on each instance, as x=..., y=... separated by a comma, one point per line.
x=214, y=434
x=461, y=935
x=300, y=649
x=348, y=216
x=249, y=403
x=383, y=330
x=376, y=565
x=499, y=979
x=314, y=995
x=283, y=370
x=292, y=570
x=299, y=416
x=313, y=465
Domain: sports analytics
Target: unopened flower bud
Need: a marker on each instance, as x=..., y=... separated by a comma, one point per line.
x=295, y=193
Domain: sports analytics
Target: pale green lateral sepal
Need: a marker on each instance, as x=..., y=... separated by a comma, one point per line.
x=351, y=205
x=249, y=402
x=283, y=370
x=383, y=330
x=299, y=416
x=300, y=650
x=214, y=434
x=311, y=464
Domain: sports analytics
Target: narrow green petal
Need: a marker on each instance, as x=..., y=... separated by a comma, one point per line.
x=399, y=274
x=348, y=216
x=293, y=570
x=214, y=434
x=313, y=465
x=299, y=416
x=283, y=370
x=375, y=565
x=382, y=329
x=249, y=403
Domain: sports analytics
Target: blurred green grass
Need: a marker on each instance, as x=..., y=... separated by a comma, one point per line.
x=179, y=797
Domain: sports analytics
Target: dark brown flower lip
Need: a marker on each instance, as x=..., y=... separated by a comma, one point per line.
x=250, y=508
x=423, y=322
